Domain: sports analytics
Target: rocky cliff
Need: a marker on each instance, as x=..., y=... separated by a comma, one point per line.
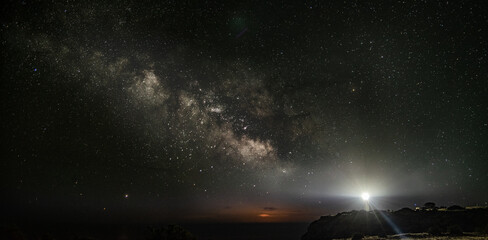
x=377, y=223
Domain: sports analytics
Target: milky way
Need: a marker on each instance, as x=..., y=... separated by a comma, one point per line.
x=241, y=112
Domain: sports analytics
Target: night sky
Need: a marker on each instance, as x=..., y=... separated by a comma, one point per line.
x=240, y=112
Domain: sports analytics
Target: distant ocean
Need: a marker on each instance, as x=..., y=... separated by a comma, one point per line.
x=260, y=231
x=204, y=231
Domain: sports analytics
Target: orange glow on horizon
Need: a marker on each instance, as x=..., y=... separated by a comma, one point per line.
x=256, y=213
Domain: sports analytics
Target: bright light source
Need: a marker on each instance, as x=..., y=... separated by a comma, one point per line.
x=365, y=196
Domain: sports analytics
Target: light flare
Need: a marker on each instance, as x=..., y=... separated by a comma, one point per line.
x=365, y=196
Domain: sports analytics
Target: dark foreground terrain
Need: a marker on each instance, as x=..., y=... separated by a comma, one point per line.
x=214, y=231
x=459, y=224
x=453, y=223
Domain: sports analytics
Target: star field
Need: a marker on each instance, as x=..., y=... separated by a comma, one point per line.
x=241, y=112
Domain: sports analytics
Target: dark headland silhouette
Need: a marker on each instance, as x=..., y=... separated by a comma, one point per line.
x=431, y=220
